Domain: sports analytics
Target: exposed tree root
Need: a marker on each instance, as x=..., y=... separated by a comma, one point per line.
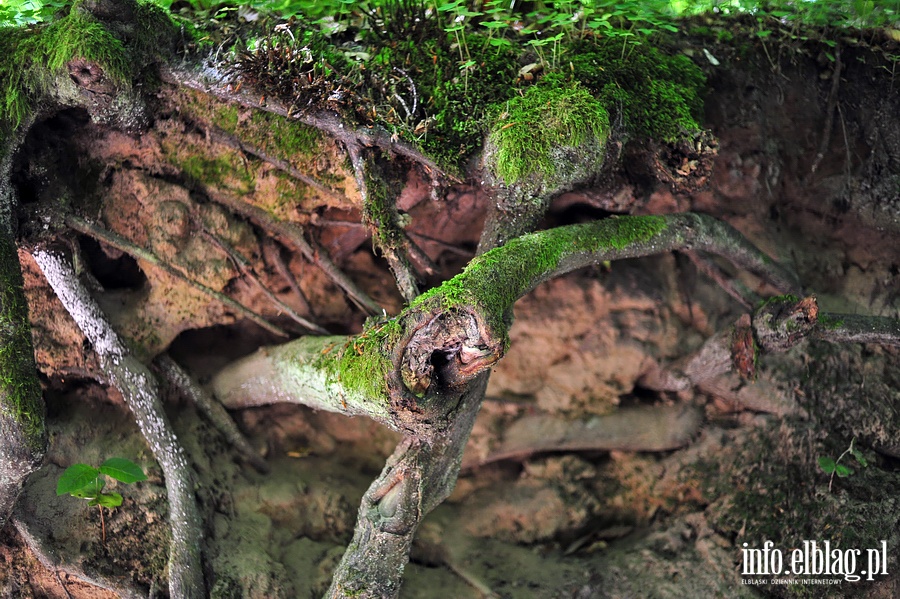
x=140, y=391
x=830, y=109
x=139, y=253
x=381, y=217
x=272, y=252
x=449, y=337
x=215, y=83
x=656, y=428
x=23, y=438
x=733, y=288
x=728, y=358
x=213, y=410
x=435, y=399
x=415, y=480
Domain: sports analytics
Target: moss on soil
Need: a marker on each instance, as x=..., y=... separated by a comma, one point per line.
x=657, y=95
x=445, y=92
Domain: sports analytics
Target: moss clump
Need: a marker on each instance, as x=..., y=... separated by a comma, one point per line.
x=496, y=279
x=20, y=391
x=33, y=58
x=550, y=115
x=279, y=136
x=457, y=102
x=830, y=322
x=657, y=95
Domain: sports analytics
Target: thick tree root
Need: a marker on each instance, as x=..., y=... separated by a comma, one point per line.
x=140, y=390
x=435, y=357
x=655, y=428
x=415, y=480
x=23, y=437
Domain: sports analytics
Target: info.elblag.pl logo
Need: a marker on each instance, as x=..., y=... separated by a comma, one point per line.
x=813, y=558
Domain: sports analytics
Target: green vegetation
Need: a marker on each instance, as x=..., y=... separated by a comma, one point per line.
x=33, y=58
x=777, y=465
x=553, y=114
x=361, y=365
x=86, y=482
x=834, y=467
x=657, y=96
x=444, y=79
x=20, y=391
x=531, y=259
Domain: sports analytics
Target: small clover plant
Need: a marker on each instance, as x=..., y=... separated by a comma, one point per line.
x=834, y=467
x=86, y=482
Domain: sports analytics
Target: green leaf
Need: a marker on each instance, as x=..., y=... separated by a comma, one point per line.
x=122, y=470
x=109, y=500
x=827, y=465
x=859, y=457
x=94, y=488
x=76, y=477
x=842, y=471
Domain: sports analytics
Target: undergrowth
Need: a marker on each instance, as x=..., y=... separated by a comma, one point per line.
x=441, y=78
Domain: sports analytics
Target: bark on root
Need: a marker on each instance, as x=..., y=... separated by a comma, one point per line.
x=140, y=390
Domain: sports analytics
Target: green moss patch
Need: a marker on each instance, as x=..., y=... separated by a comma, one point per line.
x=496, y=279
x=20, y=391
x=553, y=114
x=362, y=365
x=656, y=94
x=33, y=58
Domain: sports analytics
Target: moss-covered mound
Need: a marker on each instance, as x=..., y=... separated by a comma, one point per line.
x=443, y=80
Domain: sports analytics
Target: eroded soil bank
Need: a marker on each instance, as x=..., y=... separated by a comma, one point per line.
x=673, y=485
